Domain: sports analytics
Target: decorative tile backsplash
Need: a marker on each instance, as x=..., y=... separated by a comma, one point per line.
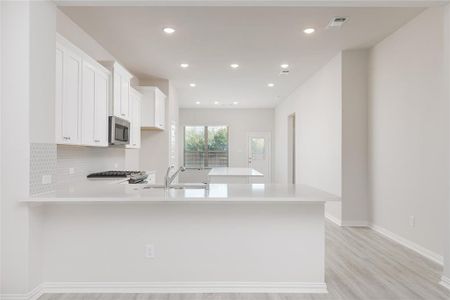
x=74, y=163
x=42, y=165
x=52, y=164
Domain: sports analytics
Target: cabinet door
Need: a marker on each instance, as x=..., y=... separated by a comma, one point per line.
x=88, y=104
x=160, y=110
x=137, y=121
x=124, y=97
x=117, y=94
x=68, y=96
x=101, y=109
x=94, y=112
x=132, y=142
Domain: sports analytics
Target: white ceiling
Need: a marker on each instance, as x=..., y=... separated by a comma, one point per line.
x=259, y=39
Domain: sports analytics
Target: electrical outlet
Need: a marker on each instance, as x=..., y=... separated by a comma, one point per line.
x=149, y=251
x=116, y=166
x=412, y=221
x=46, y=179
x=71, y=171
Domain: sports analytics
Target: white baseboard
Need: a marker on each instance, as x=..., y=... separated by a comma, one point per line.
x=33, y=295
x=333, y=219
x=172, y=287
x=355, y=223
x=409, y=244
x=445, y=282
x=346, y=223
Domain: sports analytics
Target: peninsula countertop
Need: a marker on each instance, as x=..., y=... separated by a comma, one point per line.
x=107, y=192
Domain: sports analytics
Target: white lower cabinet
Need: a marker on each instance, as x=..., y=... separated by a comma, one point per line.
x=82, y=97
x=135, y=119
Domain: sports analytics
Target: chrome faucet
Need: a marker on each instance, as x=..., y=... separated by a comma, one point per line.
x=169, y=179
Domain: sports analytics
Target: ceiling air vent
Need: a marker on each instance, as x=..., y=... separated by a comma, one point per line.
x=337, y=22
x=284, y=72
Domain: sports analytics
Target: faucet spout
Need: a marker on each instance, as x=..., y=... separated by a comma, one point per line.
x=169, y=179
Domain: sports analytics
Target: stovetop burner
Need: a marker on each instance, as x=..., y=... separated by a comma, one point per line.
x=114, y=174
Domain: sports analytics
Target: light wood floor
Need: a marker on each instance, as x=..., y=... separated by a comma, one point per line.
x=360, y=264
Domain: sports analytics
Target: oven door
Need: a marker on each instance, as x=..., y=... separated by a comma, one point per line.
x=119, y=131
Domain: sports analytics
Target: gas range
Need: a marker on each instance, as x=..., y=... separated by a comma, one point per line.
x=134, y=177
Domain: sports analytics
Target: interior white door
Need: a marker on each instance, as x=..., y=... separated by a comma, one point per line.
x=259, y=155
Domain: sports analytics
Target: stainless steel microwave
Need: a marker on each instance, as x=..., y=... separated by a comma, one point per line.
x=119, y=131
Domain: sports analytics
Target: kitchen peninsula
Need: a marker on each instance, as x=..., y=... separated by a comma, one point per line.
x=233, y=175
x=227, y=238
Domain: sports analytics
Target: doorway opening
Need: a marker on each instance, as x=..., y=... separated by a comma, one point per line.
x=291, y=148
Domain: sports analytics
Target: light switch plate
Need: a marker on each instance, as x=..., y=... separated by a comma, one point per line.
x=149, y=251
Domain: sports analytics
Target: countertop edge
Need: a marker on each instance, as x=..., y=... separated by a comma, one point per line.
x=192, y=200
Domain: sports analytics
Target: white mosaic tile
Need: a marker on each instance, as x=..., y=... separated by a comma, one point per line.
x=74, y=163
x=68, y=164
x=42, y=163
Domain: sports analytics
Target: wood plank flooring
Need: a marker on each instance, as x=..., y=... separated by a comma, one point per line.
x=360, y=264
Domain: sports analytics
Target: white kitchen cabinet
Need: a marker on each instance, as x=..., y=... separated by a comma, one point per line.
x=82, y=97
x=121, y=90
x=135, y=119
x=68, y=95
x=94, y=113
x=153, y=107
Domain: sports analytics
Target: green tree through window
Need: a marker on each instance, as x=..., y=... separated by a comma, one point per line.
x=205, y=146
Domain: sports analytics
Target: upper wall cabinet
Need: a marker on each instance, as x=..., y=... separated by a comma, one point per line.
x=153, y=107
x=135, y=119
x=68, y=95
x=82, y=97
x=121, y=90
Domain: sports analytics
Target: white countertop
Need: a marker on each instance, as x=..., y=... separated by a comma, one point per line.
x=249, y=172
x=99, y=191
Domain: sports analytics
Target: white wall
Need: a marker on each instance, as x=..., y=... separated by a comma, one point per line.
x=447, y=79
x=240, y=122
x=27, y=29
x=355, y=202
x=15, y=106
x=408, y=132
x=71, y=31
x=317, y=105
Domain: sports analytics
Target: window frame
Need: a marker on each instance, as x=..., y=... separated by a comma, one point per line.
x=206, y=150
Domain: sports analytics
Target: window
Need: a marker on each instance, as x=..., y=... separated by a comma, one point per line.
x=205, y=146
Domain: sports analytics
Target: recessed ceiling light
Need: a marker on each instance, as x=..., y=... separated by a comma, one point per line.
x=270, y=84
x=192, y=85
x=216, y=102
x=234, y=66
x=197, y=102
x=168, y=30
x=235, y=103
x=184, y=66
x=284, y=66
x=309, y=30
